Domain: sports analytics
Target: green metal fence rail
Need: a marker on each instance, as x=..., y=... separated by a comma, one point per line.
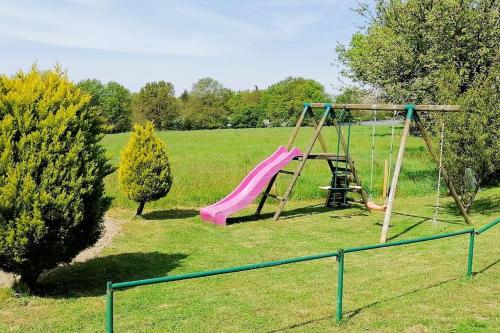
x=339, y=255
x=487, y=226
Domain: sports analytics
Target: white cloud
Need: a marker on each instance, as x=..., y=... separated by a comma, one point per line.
x=179, y=28
x=83, y=28
x=240, y=43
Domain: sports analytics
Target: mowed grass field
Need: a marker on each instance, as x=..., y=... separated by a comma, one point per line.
x=416, y=288
x=207, y=165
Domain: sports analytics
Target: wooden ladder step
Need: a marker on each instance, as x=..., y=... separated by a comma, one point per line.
x=287, y=172
x=342, y=170
x=331, y=188
x=350, y=188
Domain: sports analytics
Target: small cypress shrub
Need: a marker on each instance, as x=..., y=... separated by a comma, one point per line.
x=51, y=172
x=144, y=172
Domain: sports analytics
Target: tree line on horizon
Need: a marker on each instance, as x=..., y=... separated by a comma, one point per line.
x=207, y=105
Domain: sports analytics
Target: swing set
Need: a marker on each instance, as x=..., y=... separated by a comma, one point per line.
x=342, y=166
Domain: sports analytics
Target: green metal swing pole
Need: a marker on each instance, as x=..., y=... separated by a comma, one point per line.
x=339, y=133
x=347, y=154
x=391, y=153
x=340, y=284
x=109, y=307
x=471, y=253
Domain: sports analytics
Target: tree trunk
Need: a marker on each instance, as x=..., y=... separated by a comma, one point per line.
x=28, y=279
x=468, y=206
x=140, y=208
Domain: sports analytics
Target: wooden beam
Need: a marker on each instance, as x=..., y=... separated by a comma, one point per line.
x=387, y=107
x=395, y=176
x=444, y=173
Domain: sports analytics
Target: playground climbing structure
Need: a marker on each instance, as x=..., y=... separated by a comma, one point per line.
x=344, y=176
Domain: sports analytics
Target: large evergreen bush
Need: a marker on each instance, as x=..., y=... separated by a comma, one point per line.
x=51, y=172
x=144, y=172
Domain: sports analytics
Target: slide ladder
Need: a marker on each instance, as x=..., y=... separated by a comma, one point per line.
x=325, y=155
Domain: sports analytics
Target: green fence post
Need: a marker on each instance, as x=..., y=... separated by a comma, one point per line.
x=340, y=284
x=471, y=254
x=109, y=307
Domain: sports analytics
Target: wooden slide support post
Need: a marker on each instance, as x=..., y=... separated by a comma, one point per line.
x=349, y=160
x=296, y=129
x=288, y=146
x=320, y=139
x=397, y=168
x=315, y=125
x=453, y=193
x=302, y=163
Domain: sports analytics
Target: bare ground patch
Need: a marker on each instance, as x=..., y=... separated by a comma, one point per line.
x=111, y=229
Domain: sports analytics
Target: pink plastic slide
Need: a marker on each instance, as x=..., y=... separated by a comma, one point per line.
x=250, y=187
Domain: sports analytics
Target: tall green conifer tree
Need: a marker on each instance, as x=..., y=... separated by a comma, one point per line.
x=144, y=173
x=51, y=172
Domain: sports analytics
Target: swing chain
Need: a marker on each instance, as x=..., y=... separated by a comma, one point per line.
x=391, y=151
x=438, y=194
x=373, y=152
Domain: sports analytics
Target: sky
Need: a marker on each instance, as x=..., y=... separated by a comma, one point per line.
x=240, y=43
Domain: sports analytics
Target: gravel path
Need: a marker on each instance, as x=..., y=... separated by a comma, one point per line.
x=111, y=229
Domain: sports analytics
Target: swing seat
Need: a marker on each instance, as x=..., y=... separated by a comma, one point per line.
x=350, y=188
x=373, y=206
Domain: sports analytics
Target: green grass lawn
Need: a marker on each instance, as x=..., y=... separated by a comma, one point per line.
x=415, y=288
x=207, y=165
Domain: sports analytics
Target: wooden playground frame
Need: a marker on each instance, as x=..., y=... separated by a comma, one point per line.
x=411, y=111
